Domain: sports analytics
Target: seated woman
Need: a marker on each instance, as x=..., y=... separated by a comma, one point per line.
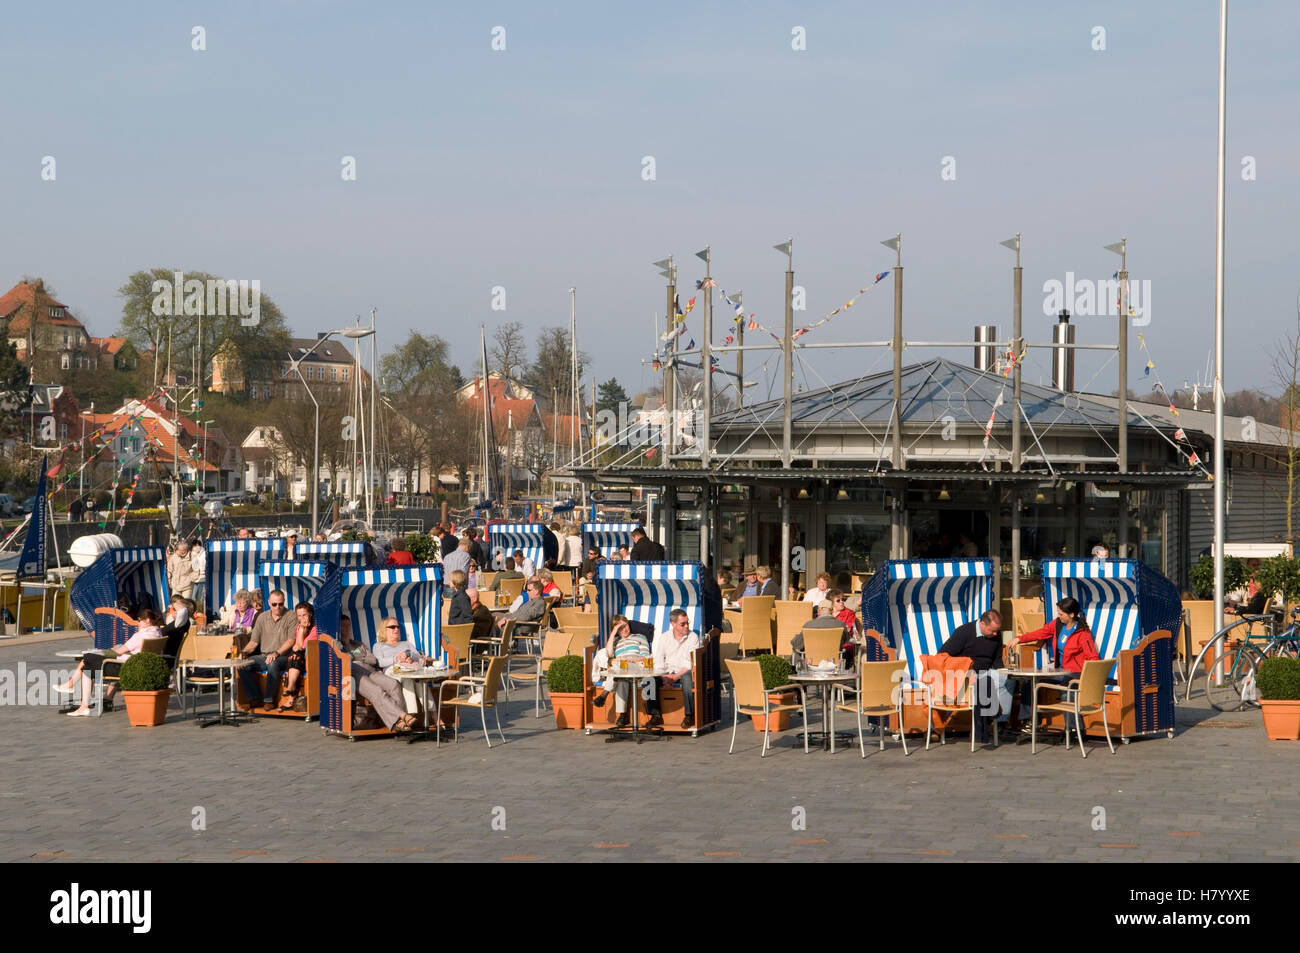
x=382, y=691
x=622, y=643
x=1068, y=642
x=395, y=650
x=110, y=661
x=244, y=612
x=296, y=668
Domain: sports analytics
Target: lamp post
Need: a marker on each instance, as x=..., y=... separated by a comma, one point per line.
x=295, y=365
x=203, y=453
x=81, y=474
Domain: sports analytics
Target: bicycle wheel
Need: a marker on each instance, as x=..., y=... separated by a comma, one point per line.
x=1225, y=693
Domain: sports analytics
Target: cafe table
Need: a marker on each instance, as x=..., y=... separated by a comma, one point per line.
x=633, y=674
x=423, y=678
x=1036, y=675
x=827, y=678
x=225, y=669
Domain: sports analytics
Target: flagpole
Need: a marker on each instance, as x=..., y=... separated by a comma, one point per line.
x=1219, y=472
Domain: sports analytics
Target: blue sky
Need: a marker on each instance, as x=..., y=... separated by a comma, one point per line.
x=522, y=168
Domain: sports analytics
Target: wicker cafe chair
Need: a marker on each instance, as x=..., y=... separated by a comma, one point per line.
x=457, y=638
x=878, y=695
x=752, y=699
x=149, y=647
x=791, y=617
x=509, y=591
x=566, y=616
x=822, y=645
x=483, y=695
x=756, y=624
x=1085, y=695
x=197, y=650
x=555, y=645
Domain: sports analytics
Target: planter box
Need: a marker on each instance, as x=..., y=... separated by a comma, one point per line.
x=776, y=721
x=1281, y=719
x=146, y=709
x=567, y=707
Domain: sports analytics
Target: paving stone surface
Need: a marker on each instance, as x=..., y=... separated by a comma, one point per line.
x=87, y=789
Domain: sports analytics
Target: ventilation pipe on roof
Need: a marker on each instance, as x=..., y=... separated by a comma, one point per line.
x=1063, y=357
x=986, y=351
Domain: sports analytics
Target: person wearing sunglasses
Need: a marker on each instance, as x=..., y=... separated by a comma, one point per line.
x=273, y=633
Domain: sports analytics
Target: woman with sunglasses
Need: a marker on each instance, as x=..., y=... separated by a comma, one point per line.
x=392, y=650
x=296, y=667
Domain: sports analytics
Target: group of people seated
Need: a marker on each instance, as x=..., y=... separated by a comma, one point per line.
x=670, y=655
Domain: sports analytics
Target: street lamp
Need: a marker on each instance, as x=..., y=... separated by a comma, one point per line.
x=81, y=474
x=295, y=365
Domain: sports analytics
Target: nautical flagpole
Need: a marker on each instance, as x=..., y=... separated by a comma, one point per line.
x=1219, y=472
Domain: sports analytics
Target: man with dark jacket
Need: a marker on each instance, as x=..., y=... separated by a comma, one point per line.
x=981, y=642
x=448, y=541
x=645, y=549
x=550, y=546
x=476, y=549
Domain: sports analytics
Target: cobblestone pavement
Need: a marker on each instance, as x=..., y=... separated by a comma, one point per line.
x=91, y=789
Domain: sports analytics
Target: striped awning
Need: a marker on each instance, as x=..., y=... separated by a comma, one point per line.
x=412, y=594
x=916, y=604
x=504, y=538
x=232, y=565
x=299, y=579
x=1122, y=600
x=649, y=591
x=139, y=573
x=607, y=537
x=345, y=554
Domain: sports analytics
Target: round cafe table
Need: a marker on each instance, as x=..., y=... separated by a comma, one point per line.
x=225, y=669
x=1035, y=675
x=811, y=676
x=633, y=673
x=424, y=677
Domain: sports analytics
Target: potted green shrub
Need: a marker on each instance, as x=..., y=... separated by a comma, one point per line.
x=1235, y=576
x=1278, y=683
x=564, y=681
x=144, y=685
x=776, y=671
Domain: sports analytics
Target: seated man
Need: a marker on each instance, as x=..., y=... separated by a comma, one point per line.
x=482, y=616
x=524, y=564
x=830, y=620
x=530, y=612
x=268, y=646
x=751, y=584
x=382, y=691
x=981, y=642
x=510, y=572
x=623, y=643
x=672, y=651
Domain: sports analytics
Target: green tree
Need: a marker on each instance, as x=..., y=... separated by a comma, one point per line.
x=14, y=392
x=149, y=324
x=609, y=395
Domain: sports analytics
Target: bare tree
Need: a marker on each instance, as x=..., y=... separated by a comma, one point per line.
x=509, y=352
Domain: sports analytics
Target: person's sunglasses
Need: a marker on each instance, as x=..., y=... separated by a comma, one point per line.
x=392, y=627
x=274, y=604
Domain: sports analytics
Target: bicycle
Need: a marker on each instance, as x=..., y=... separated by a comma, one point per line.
x=1232, y=688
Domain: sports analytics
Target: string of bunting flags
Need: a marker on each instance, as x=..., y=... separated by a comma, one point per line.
x=1149, y=370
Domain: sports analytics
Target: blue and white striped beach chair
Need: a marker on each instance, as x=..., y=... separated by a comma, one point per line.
x=505, y=538
x=607, y=537
x=232, y=565
x=412, y=594
x=139, y=573
x=1123, y=601
x=917, y=603
x=648, y=592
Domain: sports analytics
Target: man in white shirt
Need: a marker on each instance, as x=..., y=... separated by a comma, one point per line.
x=672, y=652
x=524, y=564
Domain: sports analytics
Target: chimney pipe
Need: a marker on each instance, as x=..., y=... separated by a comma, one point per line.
x=985, y=351
x=1063, y=357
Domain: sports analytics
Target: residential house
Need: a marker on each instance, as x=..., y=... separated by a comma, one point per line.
x=44, y=331
x=326, y=367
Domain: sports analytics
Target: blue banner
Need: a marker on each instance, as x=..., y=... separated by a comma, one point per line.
x=31, y=564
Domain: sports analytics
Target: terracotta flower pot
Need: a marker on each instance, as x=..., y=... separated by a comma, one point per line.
x=1281, y=719
x=567, y=707
x=778, y=720
x=146, y=709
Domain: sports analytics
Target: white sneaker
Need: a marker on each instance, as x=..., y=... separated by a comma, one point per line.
x=80, y=713
x=475, y=698
x=63, y=689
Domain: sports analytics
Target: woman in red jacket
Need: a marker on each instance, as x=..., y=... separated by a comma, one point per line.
x=1068, y=642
